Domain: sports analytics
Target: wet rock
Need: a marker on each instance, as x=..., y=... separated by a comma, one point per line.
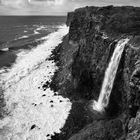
x=51, y=101
x=47, y=135
x=33, y=126
x=34, y=104
x=43, y=95
x=46, y=85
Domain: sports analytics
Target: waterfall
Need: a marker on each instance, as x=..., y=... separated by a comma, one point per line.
x=110, y=74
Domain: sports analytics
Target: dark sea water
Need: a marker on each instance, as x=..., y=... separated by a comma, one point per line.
x=24, y=32
x=27, y=110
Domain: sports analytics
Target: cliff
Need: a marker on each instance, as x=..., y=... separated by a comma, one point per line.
x=82, y=59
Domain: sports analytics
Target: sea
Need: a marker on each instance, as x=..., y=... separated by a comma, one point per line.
x=27, y=110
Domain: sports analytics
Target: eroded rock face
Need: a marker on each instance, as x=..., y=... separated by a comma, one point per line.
x=87, y=50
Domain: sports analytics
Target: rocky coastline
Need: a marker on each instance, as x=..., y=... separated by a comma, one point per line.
x=82, y=59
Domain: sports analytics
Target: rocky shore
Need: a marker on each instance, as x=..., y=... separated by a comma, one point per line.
x=82, y=59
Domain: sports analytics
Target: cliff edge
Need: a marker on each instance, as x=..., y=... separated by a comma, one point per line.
x=82, y=59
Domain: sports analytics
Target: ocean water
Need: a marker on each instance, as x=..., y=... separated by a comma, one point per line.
x=23, y=32
x=28, y=111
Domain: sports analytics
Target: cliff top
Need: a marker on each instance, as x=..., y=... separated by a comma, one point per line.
x=125, y=19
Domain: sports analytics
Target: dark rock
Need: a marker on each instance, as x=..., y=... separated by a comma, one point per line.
x=69, y=18
x=46, y=85
x=82, y=59
x=47, y=135
x=43, y=95
x=100, y=130
x=33, y=126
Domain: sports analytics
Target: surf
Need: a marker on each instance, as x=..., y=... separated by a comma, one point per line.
x=33, y=113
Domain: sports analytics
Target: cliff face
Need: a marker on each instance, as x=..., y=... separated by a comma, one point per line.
x=86, y=52
x=96, y=32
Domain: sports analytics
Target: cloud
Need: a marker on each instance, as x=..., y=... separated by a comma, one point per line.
x=49, y=2
x=54, y=7
x=15, y=3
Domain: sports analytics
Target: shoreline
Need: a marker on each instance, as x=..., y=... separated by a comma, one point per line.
x=34, y=111
x=79, y=115
x=83, y=58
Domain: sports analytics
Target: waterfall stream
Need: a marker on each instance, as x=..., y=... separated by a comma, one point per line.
x=110, y=74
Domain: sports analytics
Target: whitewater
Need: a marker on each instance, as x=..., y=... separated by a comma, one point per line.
x=109, y=78
x=33, y=113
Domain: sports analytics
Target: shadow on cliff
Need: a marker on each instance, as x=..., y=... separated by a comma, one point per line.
x=95, y=31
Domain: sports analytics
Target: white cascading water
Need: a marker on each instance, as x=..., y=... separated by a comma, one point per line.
x=110, y=74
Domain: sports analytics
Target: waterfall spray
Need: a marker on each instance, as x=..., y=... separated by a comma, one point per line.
x=110, y=74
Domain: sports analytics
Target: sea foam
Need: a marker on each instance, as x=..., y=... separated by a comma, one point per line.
x=33, y=113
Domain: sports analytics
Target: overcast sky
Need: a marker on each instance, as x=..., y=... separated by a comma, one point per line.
x=54, y=7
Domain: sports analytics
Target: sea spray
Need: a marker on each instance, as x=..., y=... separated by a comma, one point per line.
x=34, y=114
x=110, y=74
x=28, y=61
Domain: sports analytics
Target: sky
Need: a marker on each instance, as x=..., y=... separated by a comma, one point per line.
x=54, y=7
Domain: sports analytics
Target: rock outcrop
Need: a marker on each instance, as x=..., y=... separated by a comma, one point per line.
x=83, y=58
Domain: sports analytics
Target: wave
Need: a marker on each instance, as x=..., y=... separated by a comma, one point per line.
x=36, y=32
x=34, y=114
x=25, y=36
x=28, y=61
x=4, y=49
